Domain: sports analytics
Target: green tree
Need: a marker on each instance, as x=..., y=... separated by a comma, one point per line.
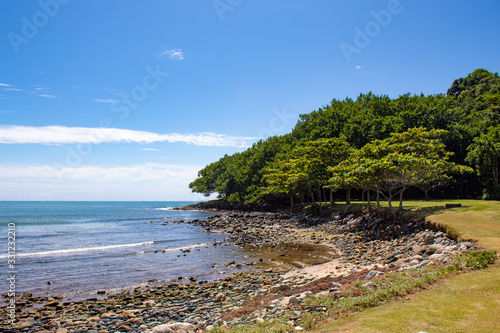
x=411, y=158
x=317, y=156
x=484, y=153
x=286, y=177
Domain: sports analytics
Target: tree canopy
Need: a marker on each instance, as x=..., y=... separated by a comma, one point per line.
x=374, y=143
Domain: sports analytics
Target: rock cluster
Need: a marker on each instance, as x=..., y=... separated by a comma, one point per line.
x=259, y=228
x=369, y=246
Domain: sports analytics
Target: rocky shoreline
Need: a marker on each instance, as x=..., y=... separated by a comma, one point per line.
x=299, y=254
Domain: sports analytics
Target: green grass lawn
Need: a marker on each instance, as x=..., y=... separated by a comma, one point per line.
x=468, y=302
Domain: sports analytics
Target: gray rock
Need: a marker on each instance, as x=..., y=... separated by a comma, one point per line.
x=373, y=274
x=434, y=248
x=370, y=285
x=437, y=256
x=175, y=328
x=219, y=297
x=279, y=287
x=466, y=244
x=287, y=302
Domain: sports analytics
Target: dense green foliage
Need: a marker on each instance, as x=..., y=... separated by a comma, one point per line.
x=374, y=143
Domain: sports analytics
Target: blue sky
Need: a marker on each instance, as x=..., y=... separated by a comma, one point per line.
x=127, y=100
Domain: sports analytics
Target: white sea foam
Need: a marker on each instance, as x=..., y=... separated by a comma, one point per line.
x=186, y=247
x=166, y=208
x=84, y=249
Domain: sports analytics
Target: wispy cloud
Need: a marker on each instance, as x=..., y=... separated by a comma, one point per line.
x=5, y=85
x=5, y=111
x=146, y=181
x=13, y=89
x=360, y=70
x=51, y=135
x=143, y=172
x=107, y=101
x=39, y=87
x=47, y=96
x=175, y=54
x=150, y=149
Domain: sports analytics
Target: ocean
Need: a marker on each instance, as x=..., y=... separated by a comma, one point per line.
x=77, y=248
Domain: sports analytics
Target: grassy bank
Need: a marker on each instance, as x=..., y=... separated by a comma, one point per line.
x=435, y=299
x=468, y=302
x=463, y=303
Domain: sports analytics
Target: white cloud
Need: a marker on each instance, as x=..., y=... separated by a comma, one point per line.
x=150, y=149
x=149, y=181
x=360, y=67
x=108, y=100
x=13, y=89
x=5, y=85
x=46, y=95
x=5, y=111
x=71, y=135
x=175, y=54
x=136, y=173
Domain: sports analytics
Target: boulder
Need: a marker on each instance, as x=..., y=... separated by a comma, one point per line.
x=175, y=328
x=373, y=274
x=279, y=287
x=466, y=244
x=52, y=303
x=417, y=249
x=149, y=303
x=437, y=256
x=287, y=302
x=51, y=324
x=433, y=248
x=370, y=285
x=220, y=297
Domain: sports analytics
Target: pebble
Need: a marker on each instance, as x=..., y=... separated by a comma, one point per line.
x=364, y=241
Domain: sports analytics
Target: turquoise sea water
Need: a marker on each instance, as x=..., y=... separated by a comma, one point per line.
x=85, y=246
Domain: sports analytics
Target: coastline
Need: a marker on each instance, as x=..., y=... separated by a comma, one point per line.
x=364, y=244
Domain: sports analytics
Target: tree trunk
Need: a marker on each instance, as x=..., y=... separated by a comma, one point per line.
x=320, y=202
x=389, y=202
x=332, y=202
x=348, y=196
x=378, y=202
x=368, y=198
x=401, y=200
x=292, y=204
x=426, y=192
